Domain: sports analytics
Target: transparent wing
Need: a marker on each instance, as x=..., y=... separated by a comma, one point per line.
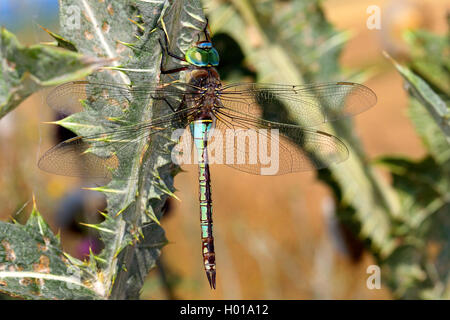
x=310, y=104
x=108, y=154
x=257, y=146
x=67, y=98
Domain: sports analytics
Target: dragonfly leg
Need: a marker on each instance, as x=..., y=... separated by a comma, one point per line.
x=166, y=101
x=165, y=48
x=173, y=70
x=205, y=30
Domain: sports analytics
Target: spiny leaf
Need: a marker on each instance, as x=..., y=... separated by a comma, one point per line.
x=418, y=267
x=33, y=265
x=430, y=133
x=419, y=184
x=27, y=69
x=427, y=97
x=424, y=191
x=61, y=42
x=430, y=57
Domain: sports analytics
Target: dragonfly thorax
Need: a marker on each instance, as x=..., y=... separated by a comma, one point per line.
x=207, y=81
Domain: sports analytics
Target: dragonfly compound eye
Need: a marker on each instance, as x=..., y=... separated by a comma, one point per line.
x=200, y=56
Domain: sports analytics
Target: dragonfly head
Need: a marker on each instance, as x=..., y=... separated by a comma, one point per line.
x=202, y=54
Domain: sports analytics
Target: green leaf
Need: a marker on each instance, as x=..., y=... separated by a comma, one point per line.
x=430, y=58
x=423, y=187
x=419, y=267
x=33, y=265
x=432, y=136
x=437, y=107
x=27, y=69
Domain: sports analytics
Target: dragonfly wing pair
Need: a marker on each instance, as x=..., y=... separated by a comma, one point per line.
x=238, y=114
x=267, y=147
x=96, y=154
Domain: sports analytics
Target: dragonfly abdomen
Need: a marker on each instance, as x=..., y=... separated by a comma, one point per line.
x=200, y=130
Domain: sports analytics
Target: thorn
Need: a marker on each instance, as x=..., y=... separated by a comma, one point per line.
x=152, y=216
x=34, y=203
x=105, y=215
x=211, y=274
x=51, y=122
x=388, y=56
x=120, y=211
x=131, y=46
x=103, y=189
x=96, y=226
x=43, y=28
x=137, y=24
x=163, y=27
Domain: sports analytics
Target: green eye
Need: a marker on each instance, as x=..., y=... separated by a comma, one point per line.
x=202, y=57
x=213, y=57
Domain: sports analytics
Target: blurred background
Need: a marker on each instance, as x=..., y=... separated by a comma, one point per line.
x=276, y=237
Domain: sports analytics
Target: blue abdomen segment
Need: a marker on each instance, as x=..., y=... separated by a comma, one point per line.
x=200, y=130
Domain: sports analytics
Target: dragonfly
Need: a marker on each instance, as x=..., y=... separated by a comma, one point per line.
x=208, y=109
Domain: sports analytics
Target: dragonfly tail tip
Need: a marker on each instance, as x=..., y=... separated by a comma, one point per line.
x=211, y=274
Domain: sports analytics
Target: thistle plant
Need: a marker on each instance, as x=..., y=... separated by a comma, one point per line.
x=118, y=42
